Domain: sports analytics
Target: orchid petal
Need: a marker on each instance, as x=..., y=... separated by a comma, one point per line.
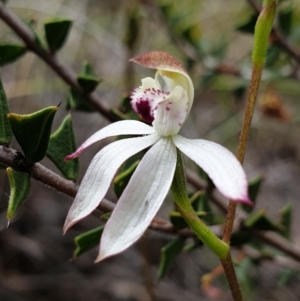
x=140, y=200
x=171, y=113
x=220, y=164
x=170, y=67
x=124, y=127
x=101, y=172
x=145, y=98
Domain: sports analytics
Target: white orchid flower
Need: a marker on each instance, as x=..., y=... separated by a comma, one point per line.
x=165, y=102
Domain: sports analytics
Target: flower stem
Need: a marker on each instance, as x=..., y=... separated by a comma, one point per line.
x=219, y=247
x=262, y=32
x=185, y=208
x=231, y=278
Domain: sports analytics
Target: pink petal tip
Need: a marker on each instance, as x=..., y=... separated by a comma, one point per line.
x=245, y=201
x=72, y=156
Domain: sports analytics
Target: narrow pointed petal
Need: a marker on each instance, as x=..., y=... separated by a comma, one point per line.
x=167, y=66
x=140, y=200
x=220, y=164
x=124, y=127
x=101, y=172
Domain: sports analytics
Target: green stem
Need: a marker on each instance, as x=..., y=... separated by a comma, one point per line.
x=185, y=208
x=262, y=32
x=219, y=247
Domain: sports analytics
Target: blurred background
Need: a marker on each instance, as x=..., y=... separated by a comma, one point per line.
x=213, y=40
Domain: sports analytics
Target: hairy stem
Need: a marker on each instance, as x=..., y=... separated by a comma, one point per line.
x=261, y=35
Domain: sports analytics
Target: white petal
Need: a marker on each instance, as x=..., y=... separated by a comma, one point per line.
x=124, y=127
x=140, y=200
x=220, y=164
x=101, y=172
x=170, y=113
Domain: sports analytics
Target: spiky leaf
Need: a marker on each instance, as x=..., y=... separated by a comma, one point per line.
x=32, y=132
x=87, y=240
x=10, y=53
x=88, y=82
x=286, y=220
x=260, y=221
x=56, y=31
x=19, y=190
x=6, y=133
x=253, y=190
x=61, y=144
x=77, y=102
x=249, y=25
x=168, y=254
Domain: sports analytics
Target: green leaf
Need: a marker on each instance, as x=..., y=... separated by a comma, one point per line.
x=168, y=254
x=77, y=102
x=260, y=221
x=10, y=53
x=87, y=79
x=105, y=216
x=201, y=203
x=61, y=144
x=38, y=39
x=273, y=55
x=19, y=191
x=56, y=31
x=244, y=277
x=122, y=179
x=87, y=240
x=87, y=69
x=240, y=238
x=286, y=220
x=285, y=18
x=253, y=190
x=32, y=132
x=249, y=25
x=192, y=34
x=6, y=133
x=88, y=82
x=193, y=245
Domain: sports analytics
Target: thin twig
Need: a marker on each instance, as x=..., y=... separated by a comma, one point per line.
x=24, y=32
x=37, y=171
